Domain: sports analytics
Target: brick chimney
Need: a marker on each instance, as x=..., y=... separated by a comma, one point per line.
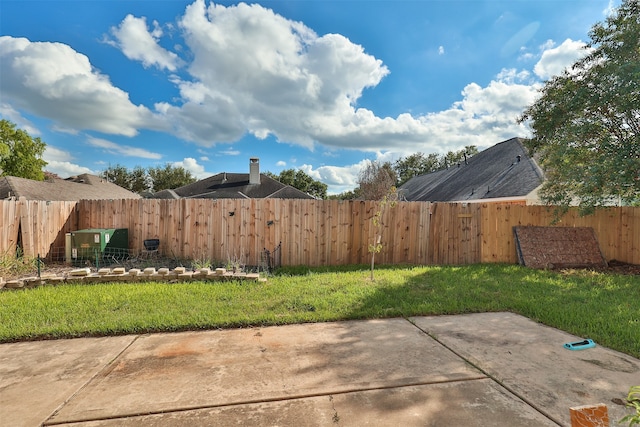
x=254, y=170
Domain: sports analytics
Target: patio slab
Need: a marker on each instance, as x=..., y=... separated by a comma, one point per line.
x=182, y=371
x=36, y=378
x=530, y=360
x=460, y=403
x=497, y=369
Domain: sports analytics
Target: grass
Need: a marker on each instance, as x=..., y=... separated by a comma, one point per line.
x=604, y=307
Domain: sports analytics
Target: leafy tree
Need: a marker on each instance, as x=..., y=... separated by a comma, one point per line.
x=135, y=180
x=20, y=154
x=586, y=123
x=346, y=195
x=460, y=156
x=420, y=164
x=376, y=180
x=169, y=177
x=118, y=175
x=414, y=165
x=139, y=180
x=299, y=179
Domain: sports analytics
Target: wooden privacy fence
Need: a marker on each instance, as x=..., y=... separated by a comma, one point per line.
x=37, y=227
x=312, y=232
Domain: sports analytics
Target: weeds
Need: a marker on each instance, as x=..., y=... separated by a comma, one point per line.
x=633, y=402
x=235, y=263
x=16, y=264
x=202, y=262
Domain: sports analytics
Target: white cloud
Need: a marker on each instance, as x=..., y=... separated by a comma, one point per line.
x=555, y=60
x=513, y=76
x=337, y=178
x=484, y=116
x=192, y=165
x=9, y=113
x=54, y=81
x=281, y=163
x=67, y=169
x=230, y=152
x=60, y=162
x=441, y=50
x=253, y=71
x=52, y=153
x=138, y=43
x=258, y=72
x=343, y=178
x=124, y=150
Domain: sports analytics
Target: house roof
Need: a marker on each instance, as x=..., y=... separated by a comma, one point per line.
x=504, y=170
x=79, y=187
x=234, y=186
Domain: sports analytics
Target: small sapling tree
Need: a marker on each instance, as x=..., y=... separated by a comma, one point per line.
x=388, y=201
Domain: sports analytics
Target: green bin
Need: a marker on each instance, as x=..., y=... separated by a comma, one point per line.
x=98, y=245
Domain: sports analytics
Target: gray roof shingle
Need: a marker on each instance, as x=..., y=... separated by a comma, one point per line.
x=504, y=170
x=234, y=186
x=81, y=187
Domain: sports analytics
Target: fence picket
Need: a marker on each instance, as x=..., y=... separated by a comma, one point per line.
x=312, y=232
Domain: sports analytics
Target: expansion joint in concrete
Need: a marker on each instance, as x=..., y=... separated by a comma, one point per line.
x=103, y=371
x=488, y=374
x=329, y=394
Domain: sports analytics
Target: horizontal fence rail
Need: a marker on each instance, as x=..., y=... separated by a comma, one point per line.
x=309, y=232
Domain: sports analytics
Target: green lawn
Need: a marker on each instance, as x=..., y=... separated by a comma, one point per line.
x=603, y=307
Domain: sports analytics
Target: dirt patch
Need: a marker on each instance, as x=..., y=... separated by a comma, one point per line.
x=618, y=267
x=62, y=269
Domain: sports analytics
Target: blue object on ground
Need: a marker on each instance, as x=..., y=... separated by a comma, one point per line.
x=580, y=345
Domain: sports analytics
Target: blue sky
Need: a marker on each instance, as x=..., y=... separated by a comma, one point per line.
x=320, y=85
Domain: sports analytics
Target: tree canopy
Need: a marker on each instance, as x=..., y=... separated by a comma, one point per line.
x=299, y=179
x=168, y=177
x=151, y=179
x=20, y=154
x=376, y=180
x=136, y=180
x=586, y=122
x=420, y=164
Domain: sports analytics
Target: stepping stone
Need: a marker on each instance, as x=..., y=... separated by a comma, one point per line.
x=80, y=272
x=14, y=284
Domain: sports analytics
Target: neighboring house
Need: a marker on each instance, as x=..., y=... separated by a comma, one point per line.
x=81, y=187
x=504, y=172
x=252, y=185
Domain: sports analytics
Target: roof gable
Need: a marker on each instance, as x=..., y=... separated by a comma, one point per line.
x=504, y=170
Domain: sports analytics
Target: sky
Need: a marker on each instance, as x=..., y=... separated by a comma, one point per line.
x=324, y=86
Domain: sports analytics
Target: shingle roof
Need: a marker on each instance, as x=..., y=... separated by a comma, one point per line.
x=79, y=187
x=504, y=170
x=234, y=186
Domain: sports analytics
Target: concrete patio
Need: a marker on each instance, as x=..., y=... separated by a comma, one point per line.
x=490, y=369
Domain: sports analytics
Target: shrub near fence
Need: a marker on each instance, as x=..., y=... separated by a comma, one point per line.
x=312, y=232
